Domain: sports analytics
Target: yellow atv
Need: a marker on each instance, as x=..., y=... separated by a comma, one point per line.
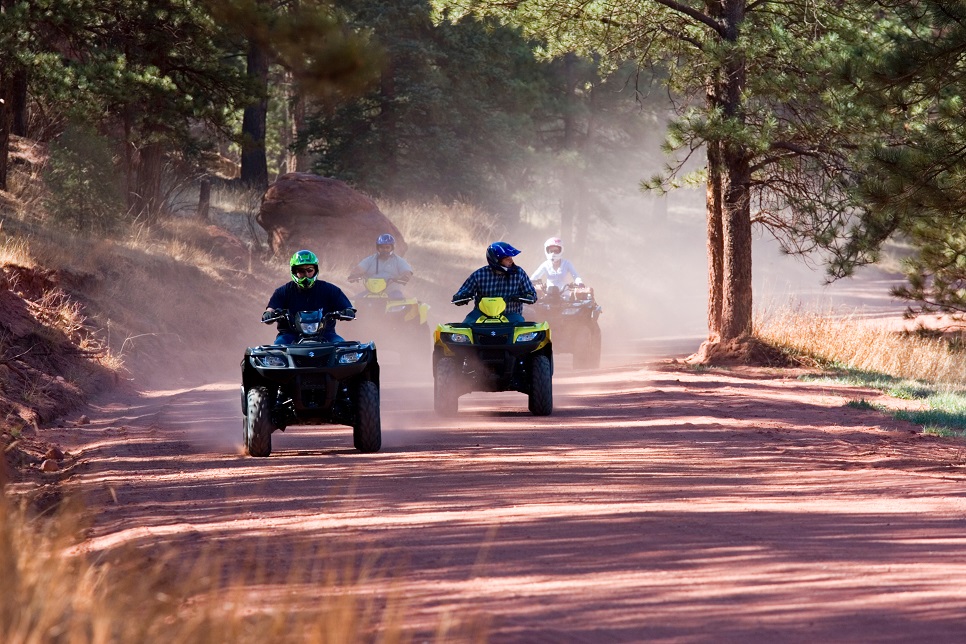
x=493, y=354
x=394, y=323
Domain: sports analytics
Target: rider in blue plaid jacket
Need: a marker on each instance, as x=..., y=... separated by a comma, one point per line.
x=499, y=278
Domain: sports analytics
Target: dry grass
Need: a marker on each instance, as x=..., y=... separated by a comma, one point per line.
x=460, y=228
x=446, y=243
x=861, y=344
x=53, y=593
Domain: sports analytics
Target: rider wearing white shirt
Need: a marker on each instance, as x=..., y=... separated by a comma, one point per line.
x=385, y=264
x=556, y=271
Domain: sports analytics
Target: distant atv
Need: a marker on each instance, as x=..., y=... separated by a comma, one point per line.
x=310, y=382
x=572, y=313
x=493, y=354
x=394, y=323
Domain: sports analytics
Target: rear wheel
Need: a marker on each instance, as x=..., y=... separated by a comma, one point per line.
x=258, y=423
x=541, y=387
x=367, y=432
x=587, y=353
x=445, y=393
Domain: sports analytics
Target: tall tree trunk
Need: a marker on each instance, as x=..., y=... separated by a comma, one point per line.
x=18, y=106
x=715, y=242
x=148, y=201
x=300, y=161
x=130, y=174
x=736, y=310
x=296, y=160
x=6, y=103
x=388, y=122
x=736, y=306
x=6, y=95
x=204, y=200
x=254, y=166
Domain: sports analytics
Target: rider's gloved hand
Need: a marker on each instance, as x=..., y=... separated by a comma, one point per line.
x=267, y=317
x=461, y=302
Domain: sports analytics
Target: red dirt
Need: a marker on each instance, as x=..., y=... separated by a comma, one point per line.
x=656, y=503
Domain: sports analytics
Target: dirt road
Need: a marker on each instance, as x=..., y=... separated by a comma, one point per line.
x=656, y=503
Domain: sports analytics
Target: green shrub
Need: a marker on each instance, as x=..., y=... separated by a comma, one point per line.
x=81, y=176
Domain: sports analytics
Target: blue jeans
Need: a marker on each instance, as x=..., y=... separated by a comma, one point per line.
x=474, y=315
x=289, y=338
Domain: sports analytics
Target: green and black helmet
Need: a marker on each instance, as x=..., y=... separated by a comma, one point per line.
x=301, y=260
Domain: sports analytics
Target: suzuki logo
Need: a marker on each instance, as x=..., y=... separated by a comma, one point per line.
x=492, y=332
x=311, y=354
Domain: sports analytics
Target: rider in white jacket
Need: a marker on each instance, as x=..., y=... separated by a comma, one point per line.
x=556, y=271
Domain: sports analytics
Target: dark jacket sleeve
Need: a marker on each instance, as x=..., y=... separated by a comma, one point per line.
x=339, y=299
x=278, y=299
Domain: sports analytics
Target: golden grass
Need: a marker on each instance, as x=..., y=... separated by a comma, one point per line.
x=14, y=249
x=862, y=344
x=446, y=242
x=54, y=593
x=458, y=227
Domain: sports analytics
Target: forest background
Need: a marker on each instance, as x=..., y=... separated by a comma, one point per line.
x=835, y=127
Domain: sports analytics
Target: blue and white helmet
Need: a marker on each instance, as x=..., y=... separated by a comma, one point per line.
x=497, y=251
x=385, y=240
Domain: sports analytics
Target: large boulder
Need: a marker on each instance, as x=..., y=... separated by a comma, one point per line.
x=302, y=210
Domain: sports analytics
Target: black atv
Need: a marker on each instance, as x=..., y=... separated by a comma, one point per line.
x=310, y=382
x=572, y=312
x=493, y=354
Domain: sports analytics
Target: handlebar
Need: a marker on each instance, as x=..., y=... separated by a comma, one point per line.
x=281, y=314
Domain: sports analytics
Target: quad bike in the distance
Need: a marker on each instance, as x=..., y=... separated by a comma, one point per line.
x=492, y=354
x=395, y=323
x=573, y=313
x=310, y=382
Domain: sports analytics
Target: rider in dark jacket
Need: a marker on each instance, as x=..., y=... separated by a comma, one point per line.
x=306, y=293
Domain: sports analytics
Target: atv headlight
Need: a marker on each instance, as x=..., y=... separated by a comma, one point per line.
x=456, y=338
x=351, y=357
x=396, y=308
x=309, y=328
x=530, y=336
x=270, y=360
x=571, y=311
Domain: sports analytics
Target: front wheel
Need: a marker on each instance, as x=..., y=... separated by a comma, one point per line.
x=367, y=430
x=446, y=398
x=540, y=398
x=258, y=423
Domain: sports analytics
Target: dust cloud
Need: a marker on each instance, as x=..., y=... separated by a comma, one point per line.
x=648, y=268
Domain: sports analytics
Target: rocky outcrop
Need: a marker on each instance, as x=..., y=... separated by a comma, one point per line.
x=302, y=210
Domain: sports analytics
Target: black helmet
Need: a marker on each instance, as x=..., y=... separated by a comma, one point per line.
x=497, y=251
x=385, y=240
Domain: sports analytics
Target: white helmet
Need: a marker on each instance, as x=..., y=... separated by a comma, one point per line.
x=551, y=243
